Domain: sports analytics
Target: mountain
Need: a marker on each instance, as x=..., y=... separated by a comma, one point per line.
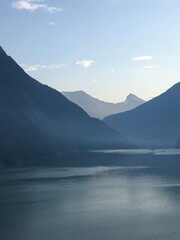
x=100, y=109
x=155, y=123
x=36, y=120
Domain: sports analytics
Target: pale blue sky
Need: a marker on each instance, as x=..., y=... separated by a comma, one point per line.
x=107, y=48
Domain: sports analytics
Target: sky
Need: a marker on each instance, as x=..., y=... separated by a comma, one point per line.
x=107, y=48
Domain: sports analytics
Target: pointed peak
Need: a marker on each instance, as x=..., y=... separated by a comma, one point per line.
x=131, y=96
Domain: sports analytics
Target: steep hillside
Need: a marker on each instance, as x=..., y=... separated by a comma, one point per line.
x=36, y=120
x=153, y=124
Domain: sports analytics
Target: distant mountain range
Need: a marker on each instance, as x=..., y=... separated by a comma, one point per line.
x=155, y=123
x=100, y=109
x=36, y=120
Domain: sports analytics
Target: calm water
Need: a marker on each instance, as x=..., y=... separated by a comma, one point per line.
x=131, y=197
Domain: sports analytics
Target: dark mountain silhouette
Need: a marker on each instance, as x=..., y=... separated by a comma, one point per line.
x=100, y=109
x=153, y=124
x=36, y=120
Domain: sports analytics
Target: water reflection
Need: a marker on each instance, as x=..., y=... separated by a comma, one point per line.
x=139, y=198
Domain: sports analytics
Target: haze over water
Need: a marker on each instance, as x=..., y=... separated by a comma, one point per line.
x=132, y=197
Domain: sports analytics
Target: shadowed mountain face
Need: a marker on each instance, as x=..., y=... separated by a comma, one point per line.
x=153, y=124
x=100, y=109
x=36, y=120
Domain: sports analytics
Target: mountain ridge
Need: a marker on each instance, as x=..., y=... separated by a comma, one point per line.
x=36, y=120
x=153, y=124
x=99, y=108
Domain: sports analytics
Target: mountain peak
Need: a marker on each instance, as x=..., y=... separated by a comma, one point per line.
x=79, y=92
x=153, y=124
x=38, y=121
x=133, y=97
x=76, y=94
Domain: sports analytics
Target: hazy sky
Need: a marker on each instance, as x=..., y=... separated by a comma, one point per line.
x=108, y=48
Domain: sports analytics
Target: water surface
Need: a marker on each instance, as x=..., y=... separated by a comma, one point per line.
x=130, y=197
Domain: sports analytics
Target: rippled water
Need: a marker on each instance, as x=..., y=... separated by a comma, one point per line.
x=135, y=198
